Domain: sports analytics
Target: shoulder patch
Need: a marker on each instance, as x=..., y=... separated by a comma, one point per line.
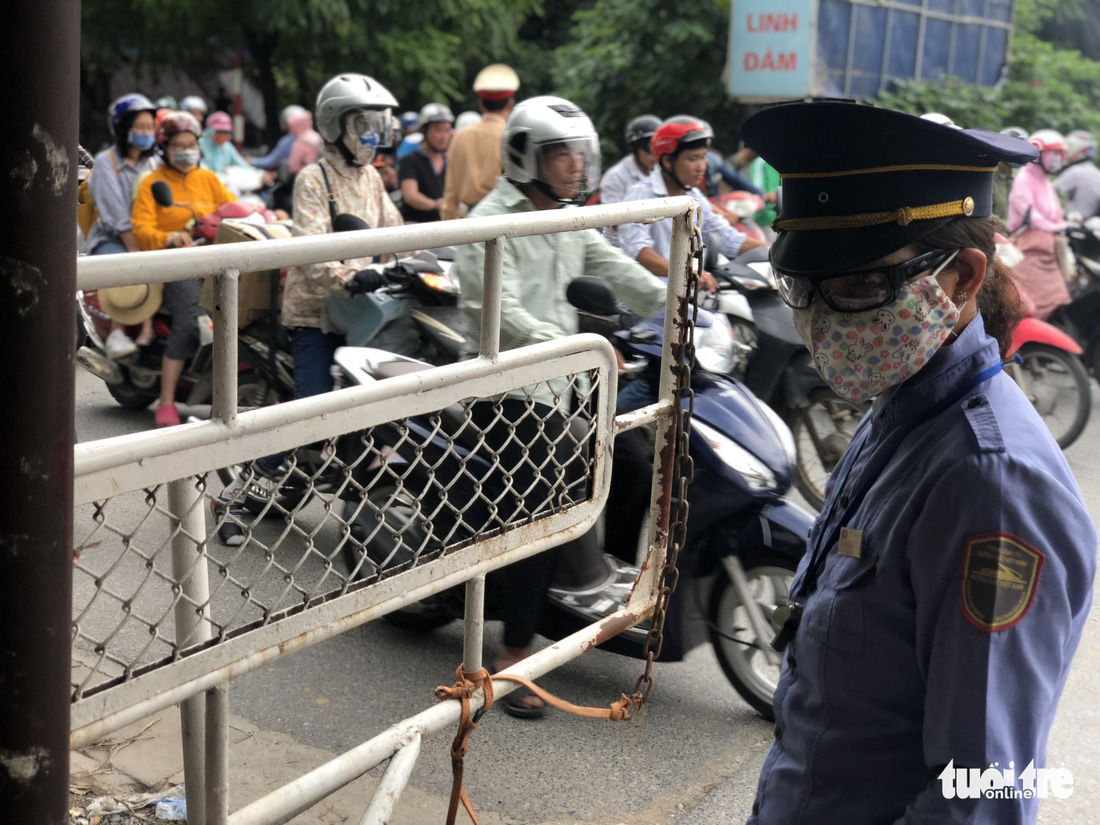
x=999, y=578
x=983, y=423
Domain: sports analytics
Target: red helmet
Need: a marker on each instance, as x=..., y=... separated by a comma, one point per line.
x=176, y=122
x=676, y=132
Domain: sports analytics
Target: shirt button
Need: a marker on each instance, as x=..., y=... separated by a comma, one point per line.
x=778, y=734
x=791, y=661
x=844, y=500
x=755, y=808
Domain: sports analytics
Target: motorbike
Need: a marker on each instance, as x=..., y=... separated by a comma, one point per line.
x=744, y=539
x=771, y=359
x=134, y=381
x=1047, y=360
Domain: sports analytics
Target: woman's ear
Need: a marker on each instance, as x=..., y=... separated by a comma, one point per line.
x=970, y=266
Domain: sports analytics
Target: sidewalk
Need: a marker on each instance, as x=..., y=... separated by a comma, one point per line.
x=142, y=762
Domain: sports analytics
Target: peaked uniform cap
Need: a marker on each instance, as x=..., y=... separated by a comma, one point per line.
x=497, y=81
x=860, y=183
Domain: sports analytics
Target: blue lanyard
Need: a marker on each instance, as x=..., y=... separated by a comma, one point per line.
x=821, y=552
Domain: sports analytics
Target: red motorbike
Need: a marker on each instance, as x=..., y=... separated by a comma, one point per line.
x=134, y=381
x=1046, y=363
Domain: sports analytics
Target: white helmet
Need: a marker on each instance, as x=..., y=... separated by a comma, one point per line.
x=193, y=103
x=943, y=120
x=466, y=119
x=434, y=113
x=1080, y=145
x=345, y=93
x=541, y=124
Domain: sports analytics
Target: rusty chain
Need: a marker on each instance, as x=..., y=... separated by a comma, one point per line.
x=684, y=471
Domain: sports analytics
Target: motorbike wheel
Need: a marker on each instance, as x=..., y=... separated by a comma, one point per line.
x=398, y=517
x=822, y=432
x=1057, y=384
x=254, y=391
x=739, y=650
x=131, y=397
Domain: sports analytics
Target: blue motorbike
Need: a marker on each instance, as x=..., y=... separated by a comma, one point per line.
x=744, y=540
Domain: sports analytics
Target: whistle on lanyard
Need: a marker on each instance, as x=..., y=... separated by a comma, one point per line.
x=786, y=617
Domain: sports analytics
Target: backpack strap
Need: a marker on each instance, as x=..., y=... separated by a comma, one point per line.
x=331, y=197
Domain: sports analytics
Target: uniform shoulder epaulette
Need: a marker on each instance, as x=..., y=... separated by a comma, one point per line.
x=983, y=424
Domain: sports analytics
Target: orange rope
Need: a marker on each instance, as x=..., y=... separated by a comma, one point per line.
x=466, y=683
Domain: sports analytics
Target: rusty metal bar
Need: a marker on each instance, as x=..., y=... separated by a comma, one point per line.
x=394, y=780
x=225, y=346
x=664, y=469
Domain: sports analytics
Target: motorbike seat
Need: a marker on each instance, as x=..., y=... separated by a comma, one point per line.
x=453, y=420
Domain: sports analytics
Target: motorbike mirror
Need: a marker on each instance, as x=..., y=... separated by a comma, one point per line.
x=592, y=295
x=162, y=193
x=779, y=201
x=710, y=257
x=345, y=222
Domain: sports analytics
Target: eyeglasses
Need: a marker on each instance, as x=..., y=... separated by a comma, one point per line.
x=862, y=290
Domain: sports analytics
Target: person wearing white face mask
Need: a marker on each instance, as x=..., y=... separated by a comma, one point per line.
x=1034, y=208
x=195, y=192
x=353, y=117
x=947, y=582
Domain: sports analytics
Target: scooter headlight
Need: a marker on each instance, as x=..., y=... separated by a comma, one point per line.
x=714, y=345
x=756, y=474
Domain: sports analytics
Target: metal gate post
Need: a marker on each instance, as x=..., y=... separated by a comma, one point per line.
x=185, y=503
x=38, y=178
x=679, y=260
x=225, y=346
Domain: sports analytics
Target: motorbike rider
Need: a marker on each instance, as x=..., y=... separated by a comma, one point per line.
x=196, y=106
x=195, y=192
x=551, y=155
x=1035, y=202
x=1079, y=183
x=474, y=162
x=117, y=170
x=422, y=172
x=680, y=149
x=1002, y=181
x=218, y=151
x=633, y=167
x=353, y=117
x=949, y=576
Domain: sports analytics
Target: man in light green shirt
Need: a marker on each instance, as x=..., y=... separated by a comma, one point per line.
x=551, y=154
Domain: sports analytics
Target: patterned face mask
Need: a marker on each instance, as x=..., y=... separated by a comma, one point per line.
x=860, y=354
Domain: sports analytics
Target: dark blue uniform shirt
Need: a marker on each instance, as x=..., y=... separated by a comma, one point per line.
x=945, y=634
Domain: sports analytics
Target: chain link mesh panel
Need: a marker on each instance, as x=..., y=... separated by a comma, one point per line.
x=286, y=532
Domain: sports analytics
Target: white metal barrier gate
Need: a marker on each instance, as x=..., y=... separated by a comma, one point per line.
x=233, y=611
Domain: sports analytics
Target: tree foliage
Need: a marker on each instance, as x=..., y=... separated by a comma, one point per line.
x=627, y=57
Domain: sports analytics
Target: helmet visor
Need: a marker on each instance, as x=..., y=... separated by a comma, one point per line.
x=370, y=126
x=570, y=167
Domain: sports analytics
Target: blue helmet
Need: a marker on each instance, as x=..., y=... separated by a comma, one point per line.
x=127, y=105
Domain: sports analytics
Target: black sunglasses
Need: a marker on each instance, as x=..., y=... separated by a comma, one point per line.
x=861, y=290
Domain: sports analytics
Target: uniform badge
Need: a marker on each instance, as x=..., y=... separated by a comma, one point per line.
x=1000, y=575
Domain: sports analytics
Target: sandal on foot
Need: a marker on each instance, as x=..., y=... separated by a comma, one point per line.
x=513, y=704
x=167, y=415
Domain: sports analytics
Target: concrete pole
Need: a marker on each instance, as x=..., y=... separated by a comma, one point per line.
x=38, y=180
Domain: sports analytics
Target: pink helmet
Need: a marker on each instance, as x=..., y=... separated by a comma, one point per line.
x=220, y=122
